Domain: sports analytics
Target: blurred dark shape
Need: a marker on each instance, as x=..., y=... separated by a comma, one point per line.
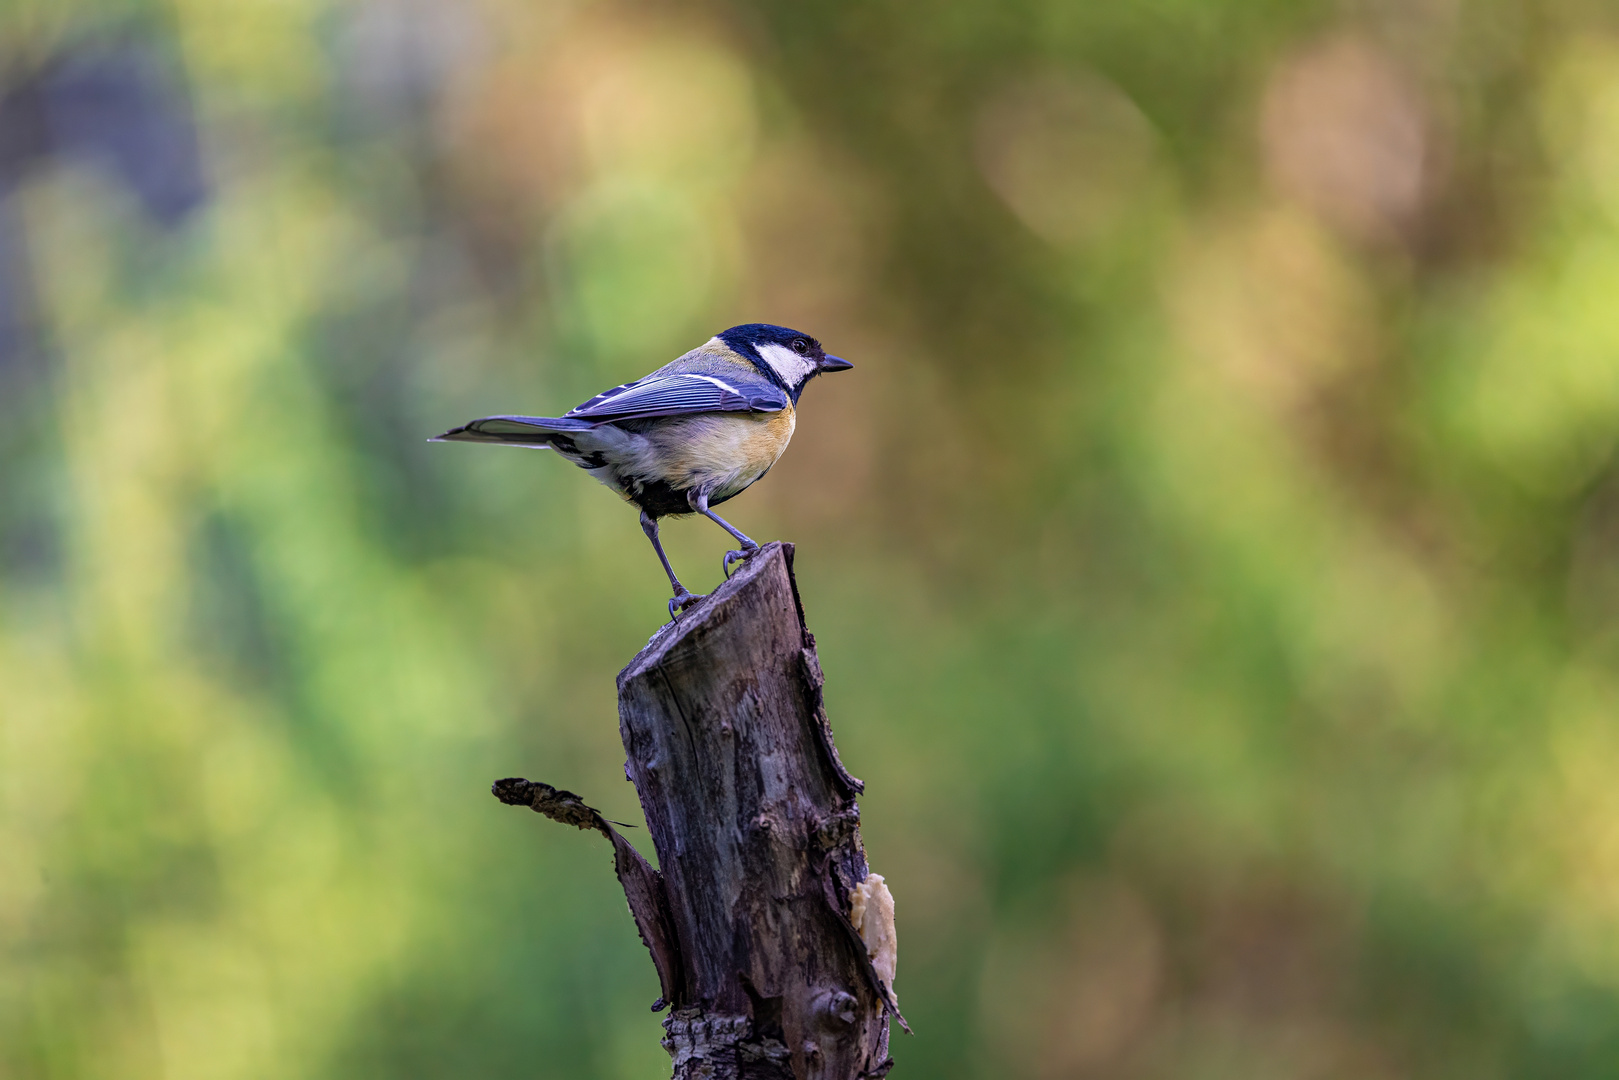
x=16, y=290
x=114, y=107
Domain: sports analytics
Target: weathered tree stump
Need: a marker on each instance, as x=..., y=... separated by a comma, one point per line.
x=751, y=922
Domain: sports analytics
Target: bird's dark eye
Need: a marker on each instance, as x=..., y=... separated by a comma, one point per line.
x=800, y=346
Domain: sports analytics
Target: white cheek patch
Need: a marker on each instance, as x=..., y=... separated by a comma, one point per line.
x=792, y=368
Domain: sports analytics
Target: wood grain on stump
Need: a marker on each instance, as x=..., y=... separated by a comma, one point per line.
x=757, y=833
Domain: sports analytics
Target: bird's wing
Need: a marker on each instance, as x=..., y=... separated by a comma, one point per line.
x=679, y=394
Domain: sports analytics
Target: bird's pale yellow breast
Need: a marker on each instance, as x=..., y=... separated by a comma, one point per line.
x=766, y=443
x=722, y=452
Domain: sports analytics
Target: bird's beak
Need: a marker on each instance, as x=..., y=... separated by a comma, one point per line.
x=833, y=363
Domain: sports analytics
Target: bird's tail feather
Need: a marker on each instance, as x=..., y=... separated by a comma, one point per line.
x=515, y=430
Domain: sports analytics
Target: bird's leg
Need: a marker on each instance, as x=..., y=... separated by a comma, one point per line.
x=699, y=503
x=649, y=525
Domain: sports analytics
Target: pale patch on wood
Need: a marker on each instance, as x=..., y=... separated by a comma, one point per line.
x=871, y=910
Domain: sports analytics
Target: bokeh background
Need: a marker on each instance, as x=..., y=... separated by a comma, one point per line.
x=1214, y=554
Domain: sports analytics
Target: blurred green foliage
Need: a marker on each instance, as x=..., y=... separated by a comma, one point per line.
x=1213, y=554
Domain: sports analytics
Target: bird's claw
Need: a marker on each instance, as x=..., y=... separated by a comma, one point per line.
x=681, y=600
x=737, y=557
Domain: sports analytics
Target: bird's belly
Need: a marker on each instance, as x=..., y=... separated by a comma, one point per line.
x=721, y=453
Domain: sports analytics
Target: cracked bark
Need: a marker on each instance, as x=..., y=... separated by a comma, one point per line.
x=758, y=839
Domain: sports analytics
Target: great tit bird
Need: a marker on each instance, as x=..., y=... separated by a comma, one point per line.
x=687, y=437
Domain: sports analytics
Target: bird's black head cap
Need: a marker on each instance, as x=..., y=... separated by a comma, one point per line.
x=788, y=357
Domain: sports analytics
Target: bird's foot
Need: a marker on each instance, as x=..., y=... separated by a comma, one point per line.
x=748, y=551
x=681, y=600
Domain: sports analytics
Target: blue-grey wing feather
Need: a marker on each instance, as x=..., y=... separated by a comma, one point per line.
x=665, y=392
x=680, y=394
